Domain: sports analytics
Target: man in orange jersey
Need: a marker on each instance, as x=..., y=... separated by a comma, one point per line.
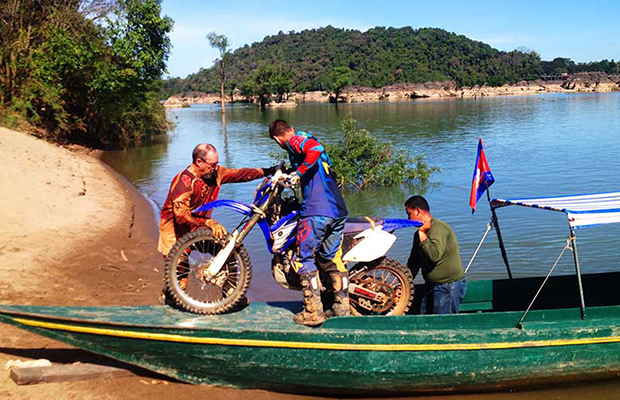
x=196, y=185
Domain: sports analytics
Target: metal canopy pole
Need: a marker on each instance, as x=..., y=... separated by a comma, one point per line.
x=573, y=239
x=489, y=227
x=495, y=222
x=566, y=247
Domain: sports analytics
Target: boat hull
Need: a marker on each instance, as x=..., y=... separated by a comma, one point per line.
x=260, y=347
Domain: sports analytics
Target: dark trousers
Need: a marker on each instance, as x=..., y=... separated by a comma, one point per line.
x=443, y=298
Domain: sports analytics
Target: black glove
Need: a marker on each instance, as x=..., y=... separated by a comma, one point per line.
x=269, y=171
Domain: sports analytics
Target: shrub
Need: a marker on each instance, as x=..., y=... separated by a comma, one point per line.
x=362, y=161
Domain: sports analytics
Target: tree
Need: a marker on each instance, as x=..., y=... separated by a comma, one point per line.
x=232, y=86
x=260, y=83
x=83, y=81
x=340, y=78
x=282, y=83
x=220, y=42
x=267, y=80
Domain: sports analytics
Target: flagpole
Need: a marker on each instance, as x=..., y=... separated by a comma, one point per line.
x=495, y=222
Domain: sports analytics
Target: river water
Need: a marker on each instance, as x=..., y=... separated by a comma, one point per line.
x=545, y=145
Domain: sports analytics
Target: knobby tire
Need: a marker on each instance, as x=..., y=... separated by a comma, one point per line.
x=404, y=276
x=172, y=265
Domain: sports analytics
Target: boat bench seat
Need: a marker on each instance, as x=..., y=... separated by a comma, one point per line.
x=478, y=297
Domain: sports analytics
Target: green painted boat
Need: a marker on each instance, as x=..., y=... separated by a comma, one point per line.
x=261, y=347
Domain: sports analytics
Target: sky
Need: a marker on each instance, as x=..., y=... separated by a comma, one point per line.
x=583, y=31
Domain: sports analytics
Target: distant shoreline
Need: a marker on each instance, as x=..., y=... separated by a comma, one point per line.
x=587, y=82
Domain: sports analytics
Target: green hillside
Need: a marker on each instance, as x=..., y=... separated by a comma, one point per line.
x=377, y=57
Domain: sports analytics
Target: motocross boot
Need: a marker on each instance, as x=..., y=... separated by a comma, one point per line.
x=313, y=314
x=340, y=286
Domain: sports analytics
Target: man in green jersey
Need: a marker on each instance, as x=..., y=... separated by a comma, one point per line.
x=435, y=251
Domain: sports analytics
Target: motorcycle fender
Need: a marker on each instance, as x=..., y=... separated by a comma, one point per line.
x=241, y=208
x=375, y=244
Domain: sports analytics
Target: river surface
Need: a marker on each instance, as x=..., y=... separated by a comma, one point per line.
x=545, y=145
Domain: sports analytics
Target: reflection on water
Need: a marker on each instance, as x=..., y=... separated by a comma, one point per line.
x=536, y=146
x=382, y=201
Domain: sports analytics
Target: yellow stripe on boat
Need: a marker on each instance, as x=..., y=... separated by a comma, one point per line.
x=315, y=345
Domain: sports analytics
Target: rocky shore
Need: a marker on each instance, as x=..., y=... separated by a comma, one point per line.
x=578, y=83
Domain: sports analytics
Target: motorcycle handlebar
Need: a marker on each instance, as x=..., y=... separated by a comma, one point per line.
x=285, y=183
x=281, y=178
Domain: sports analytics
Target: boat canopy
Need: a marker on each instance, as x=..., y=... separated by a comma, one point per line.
x=582, y=210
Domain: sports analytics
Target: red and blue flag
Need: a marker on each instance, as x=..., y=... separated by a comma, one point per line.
x=483, y=178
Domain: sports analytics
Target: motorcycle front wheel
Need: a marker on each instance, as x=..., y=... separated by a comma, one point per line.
x=184, y=274
x=387, y=277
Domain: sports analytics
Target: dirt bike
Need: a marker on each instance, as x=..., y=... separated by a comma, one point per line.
x=205, y=275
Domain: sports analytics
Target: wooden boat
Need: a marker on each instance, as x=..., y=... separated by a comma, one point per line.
x=261, y=347
x=500, y=340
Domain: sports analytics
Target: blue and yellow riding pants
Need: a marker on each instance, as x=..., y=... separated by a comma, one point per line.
x=320, y=242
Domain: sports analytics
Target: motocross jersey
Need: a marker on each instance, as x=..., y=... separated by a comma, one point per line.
x=321, y=195
x=188, y=192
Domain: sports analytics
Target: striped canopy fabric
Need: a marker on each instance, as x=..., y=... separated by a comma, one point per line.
x=582, y=210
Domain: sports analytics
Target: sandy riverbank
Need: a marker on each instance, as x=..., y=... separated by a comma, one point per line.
x=76, y=233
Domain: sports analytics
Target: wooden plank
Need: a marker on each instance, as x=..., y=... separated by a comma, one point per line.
x=65, y=372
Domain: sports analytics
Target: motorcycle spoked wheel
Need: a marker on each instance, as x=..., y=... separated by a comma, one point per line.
x=388, y=277
x=185, y=282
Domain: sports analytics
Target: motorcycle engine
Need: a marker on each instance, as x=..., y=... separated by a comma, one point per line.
x=284, y=272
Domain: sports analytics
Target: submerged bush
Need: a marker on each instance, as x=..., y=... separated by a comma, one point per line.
x=362, y=161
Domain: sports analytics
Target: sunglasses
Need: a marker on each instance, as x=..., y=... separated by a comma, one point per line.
x=212, y=165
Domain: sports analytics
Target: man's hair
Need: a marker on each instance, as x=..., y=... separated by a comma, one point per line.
x=278, y=128
x=202, y=150
x=420, y=202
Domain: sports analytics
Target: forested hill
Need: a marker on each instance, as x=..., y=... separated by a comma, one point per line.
x=377, y=57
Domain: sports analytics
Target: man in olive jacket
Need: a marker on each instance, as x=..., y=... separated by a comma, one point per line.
x=435, y=251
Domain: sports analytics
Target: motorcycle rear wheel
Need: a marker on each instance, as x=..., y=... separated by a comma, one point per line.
x=185, y=282
x=389, y=277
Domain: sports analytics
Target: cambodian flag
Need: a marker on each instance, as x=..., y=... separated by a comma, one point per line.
x=483, y=178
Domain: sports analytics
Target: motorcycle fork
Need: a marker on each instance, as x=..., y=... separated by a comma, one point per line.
x=259, y=213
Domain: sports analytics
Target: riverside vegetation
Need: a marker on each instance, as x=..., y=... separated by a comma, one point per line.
x=327, y=59
x=361, y=161
x=85, y=71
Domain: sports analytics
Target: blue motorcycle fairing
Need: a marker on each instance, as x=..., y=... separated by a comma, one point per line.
x=392, y=224
x=291, y=234
x=260, y=197
x=264, y=227
x=242, y=208
x=285, y=220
